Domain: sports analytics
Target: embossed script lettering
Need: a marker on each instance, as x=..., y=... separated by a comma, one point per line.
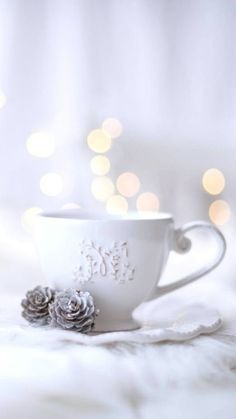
x=97, y=262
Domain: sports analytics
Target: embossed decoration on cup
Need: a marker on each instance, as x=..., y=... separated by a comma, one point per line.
x=97, y=262
x=118, y=260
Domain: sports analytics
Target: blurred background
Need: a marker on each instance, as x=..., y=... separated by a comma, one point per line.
x=115, y=105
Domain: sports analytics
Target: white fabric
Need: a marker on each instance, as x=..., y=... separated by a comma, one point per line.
x=43, y=376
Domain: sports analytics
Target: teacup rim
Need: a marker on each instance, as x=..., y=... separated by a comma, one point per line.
x=81, y=215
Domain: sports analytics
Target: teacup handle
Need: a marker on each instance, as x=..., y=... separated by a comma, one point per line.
x=182, y=244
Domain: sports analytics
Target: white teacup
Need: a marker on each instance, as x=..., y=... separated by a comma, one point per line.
x=118, y=260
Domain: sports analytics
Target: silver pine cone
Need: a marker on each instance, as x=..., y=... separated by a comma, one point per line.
x=36, y=305
x=73, y=310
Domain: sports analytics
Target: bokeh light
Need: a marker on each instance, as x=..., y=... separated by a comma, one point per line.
x=51, y=184
x=113, y=127
x=28, y=218
x=70, y=205
x=219, y=212
x=117, y=204
x=102, y=188
x=3, y=100
x=128, y=184
x=41, y=144
x=147, y=202
x=99, y=141
x=213, y=181
x=100, y=165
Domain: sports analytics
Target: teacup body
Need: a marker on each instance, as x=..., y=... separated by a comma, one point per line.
x=119, y=261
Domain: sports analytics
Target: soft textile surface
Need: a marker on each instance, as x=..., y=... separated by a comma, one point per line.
x=39, y=379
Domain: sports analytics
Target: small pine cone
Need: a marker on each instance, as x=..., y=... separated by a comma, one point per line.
x=36, y=305
x=73, y=310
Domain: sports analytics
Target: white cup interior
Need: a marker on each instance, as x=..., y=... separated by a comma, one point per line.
x=81, y=214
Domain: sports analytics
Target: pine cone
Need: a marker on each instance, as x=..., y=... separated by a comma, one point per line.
x=74, y=310
x=36, y=305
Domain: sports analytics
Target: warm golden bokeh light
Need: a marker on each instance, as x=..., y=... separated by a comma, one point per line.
x=70, y=205
x=128, y=184
x=99, y=141
x=147, y=202
x=28, y=217
x=102, y=188
x=51, y=184
x=41, y=144
x=117, y=204
x=213, y=181
x=113, y=127
x=3, y=100
x=219, y=212
x=100, y=165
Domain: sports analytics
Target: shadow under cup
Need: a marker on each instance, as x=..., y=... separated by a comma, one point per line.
x=118, y=260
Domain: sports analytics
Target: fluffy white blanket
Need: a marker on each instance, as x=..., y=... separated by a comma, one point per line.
x=195, y=379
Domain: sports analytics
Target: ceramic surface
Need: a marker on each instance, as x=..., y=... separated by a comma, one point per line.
x=118, y=260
